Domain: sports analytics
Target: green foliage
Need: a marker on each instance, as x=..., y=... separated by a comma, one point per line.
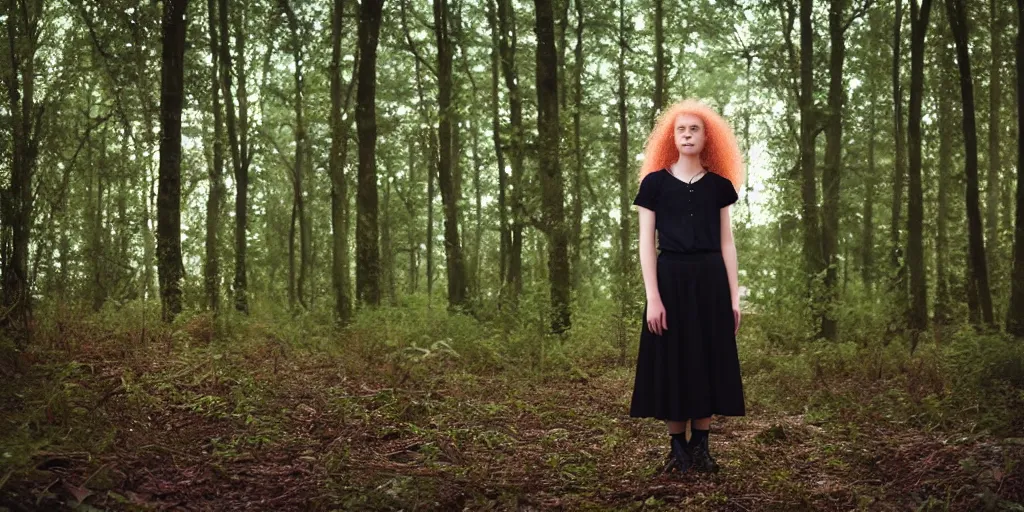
x=421, y=336
x=435, y=390
x=985, y=371
x=970, y=381
x=965, y=381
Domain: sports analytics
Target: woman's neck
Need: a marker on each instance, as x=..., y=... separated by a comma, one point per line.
x=687, y=166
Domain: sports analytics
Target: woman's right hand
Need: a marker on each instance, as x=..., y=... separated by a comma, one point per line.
x=656, y=321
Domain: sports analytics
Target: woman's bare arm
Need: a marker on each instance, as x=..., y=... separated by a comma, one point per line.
x=648, y=255
x=729, y=255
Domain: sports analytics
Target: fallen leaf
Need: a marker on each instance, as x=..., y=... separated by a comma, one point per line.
x=79, y=493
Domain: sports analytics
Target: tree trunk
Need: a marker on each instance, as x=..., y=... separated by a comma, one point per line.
x=659, y=58
x=23, y=32
x=97, y=244
x=457, y=150
x=942, y=248
x=478, y=235
x=429, y=141
x=625, y=220
x=148, y=240
x=339, y=184
x=146, y=182
x=211, y=269
x=808, y=188
x=1007, y=215
x=238, y=140
x=1015, y=315
x=749, y=57
x=576, y=234
x=144, y=141
x=367, y=237
x=552, y=194
x=387, y=258
x=449, y=193
x=457, y=39
x=168, y=210
x=410, y=208
x=126, y=234
x=789, y=221
x=979, y=270
x=291, y=248
x=995, y=162
x=899, y=284
x=561, y=36
x=915, y=209
x=868, y=226
x=431, y=192
x=507, y=45
x=300, y=169
x=505, y=232
x=245, y=154
x=831, y=177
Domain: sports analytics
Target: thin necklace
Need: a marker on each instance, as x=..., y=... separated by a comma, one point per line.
x=690, y=182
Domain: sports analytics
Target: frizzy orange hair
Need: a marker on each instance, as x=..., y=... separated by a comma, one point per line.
x=721, y=153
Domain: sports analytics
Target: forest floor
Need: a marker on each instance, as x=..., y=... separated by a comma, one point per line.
x=159, y=426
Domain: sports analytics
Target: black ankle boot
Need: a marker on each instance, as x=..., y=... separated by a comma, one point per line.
x=703, y=462
x=680, y=457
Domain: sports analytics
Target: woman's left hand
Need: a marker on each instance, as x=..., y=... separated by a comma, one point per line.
x=736, y=318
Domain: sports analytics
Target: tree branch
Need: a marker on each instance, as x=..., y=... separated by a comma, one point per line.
x=278, y=151
x=412, y=45
x=858, y=13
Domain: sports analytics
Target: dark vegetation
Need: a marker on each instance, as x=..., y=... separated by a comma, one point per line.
x=412, y=409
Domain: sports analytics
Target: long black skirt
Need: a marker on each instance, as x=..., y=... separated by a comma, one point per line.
x=692, y=370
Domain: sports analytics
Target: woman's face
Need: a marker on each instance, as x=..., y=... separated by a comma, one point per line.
x=689, y=134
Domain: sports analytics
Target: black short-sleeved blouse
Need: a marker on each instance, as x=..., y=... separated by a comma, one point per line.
x=687, y=215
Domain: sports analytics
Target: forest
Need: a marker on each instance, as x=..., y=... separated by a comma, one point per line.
x=381, y=254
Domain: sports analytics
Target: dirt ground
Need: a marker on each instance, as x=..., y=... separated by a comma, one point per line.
x=264, y=428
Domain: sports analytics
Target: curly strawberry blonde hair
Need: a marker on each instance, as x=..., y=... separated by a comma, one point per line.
x=721, y=153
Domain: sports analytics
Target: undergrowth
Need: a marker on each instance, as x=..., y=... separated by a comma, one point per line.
x=966, y=381
x=231, y=374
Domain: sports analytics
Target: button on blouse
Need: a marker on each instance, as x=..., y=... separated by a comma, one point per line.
x=687, y=216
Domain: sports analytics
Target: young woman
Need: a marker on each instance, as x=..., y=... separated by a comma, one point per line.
x=687, y=367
